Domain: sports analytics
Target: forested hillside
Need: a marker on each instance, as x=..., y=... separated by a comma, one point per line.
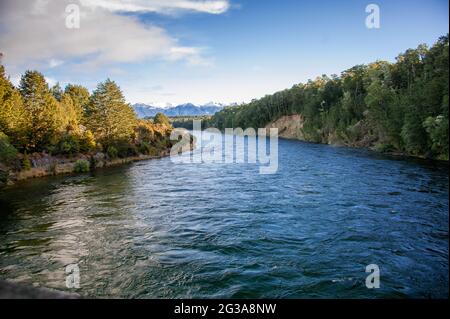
x=37, y=119
x=399, y=107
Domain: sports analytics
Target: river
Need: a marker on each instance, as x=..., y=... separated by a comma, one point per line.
x=158, y=229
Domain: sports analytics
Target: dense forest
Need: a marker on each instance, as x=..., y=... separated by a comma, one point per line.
x=395, y=107
x=36, y=118
x=187, y=122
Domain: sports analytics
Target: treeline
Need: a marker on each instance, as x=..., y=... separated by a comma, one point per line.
x=399, y=107
x=37, y=118
x=187, y=122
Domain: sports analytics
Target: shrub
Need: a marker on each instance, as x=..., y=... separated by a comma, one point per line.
x=87, y=142
x=163, y=144
x=112, y=152
x=144, y=148
x=153, y=151
x=26, y=164
x=7, y=152
x=68, y=145
x=81, y=166
x=125, y=149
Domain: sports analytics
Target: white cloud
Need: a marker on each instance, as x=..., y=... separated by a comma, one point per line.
x=192, y=55
x=161, y=6
x=53, y=63
x=33, y=33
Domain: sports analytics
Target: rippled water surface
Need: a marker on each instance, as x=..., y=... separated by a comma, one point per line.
x=156, y=229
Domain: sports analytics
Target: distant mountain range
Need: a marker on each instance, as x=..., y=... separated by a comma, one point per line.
x=188, y=109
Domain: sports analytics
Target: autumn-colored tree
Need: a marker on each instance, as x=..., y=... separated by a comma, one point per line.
x=14, y=120
x=161, y=118
x=108, y=116
x=80, y=97
x=43, y=110
x=69, y=112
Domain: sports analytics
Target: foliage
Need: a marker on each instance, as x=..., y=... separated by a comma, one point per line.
x=160, y=118
x=81, y=166
x=26, y=164
x=112, y=152
x=56, y=91
x=153, y=151
x=14, y=120
x=108, y=116
x=125, y=148
x=145, y=131
x=437, y=129
x=87, y=142
x=80, y=98
x=187, y=121
x=400, y=106
x=8, y=153
x=144, y=148
x=68, y=145
x=36, y=118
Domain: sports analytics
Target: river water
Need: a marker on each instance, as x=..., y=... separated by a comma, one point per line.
x=158, y=229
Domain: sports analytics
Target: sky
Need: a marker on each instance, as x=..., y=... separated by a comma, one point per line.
x=163, y=52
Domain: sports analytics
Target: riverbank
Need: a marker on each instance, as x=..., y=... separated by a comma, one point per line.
x=46, y=165
x=291, y=127
x=43, y=164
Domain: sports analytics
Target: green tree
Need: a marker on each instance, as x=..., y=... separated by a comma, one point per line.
x=7, y=152
x=401, y=106
x=381, y=104
x=160, y=118
x=14, y=120
x=70, y=115
x=80, y=97
x=87, y=142
x=108, y=116
x=437, y=128
x=43, y=109
x=57, y=91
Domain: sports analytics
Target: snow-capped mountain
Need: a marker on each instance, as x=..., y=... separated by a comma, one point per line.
x=144, y=110
x=188, y=109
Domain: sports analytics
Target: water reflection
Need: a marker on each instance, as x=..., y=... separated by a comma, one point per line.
x=157, y=229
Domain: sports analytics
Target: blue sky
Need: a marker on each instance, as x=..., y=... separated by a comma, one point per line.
x=222, y=51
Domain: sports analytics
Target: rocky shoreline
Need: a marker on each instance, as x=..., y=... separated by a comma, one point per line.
x=43, y=165
x=290, y=128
